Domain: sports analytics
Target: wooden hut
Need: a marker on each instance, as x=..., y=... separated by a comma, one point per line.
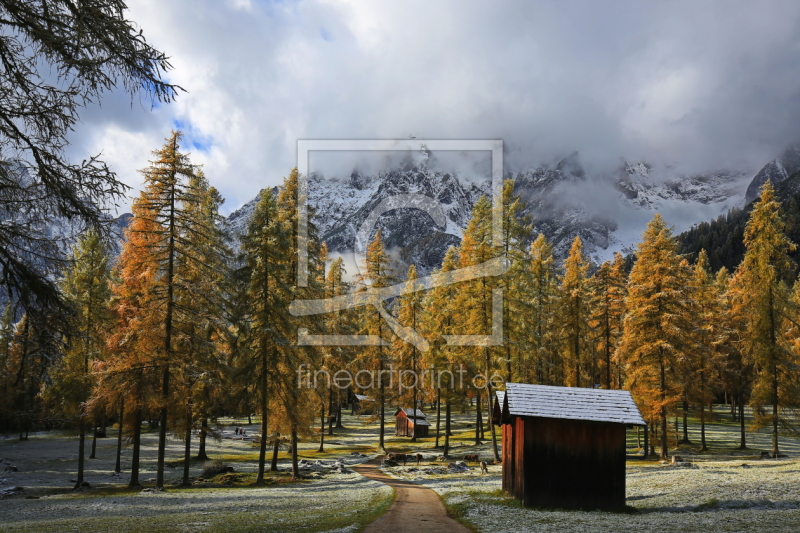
x=408, y=423
x=363, y=405
x=565, y=446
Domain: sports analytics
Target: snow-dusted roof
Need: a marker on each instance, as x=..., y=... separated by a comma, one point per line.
x=362, y=398
x=411, y=414
x=501, y=397
x=571, y=403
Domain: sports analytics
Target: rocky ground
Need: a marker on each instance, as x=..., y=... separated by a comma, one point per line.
x=720, y=490
x=724, y=489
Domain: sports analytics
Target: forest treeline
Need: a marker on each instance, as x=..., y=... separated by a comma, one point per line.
x=185, y=327
x=723, y=237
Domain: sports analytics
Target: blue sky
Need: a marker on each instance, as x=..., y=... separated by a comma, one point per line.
x=700, y=85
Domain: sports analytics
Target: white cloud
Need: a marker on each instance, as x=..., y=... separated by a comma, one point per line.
x=706, y=84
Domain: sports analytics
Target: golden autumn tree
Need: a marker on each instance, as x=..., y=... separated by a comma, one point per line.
x=85, y=288
x=160, y=246
x=438, y=319
x=271, y=252
x=657, y=330
x=574, y=314
x=515, y=283
x=127, y=377
x=474, y=300
x=263, y=249
x=544, y=363
x=607, y=309
x=706, y=362
x=338, y=356
x=201, y=268
x=376, y=274
x=737, y=370
x=407, y=355
x=166, y=195
x=762, y=298
x=297, y=401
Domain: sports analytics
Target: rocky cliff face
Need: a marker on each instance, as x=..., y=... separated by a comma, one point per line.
x=341, y=207
x=563, y=201
x=775, y=171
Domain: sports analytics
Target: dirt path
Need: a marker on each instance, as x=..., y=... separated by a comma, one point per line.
x=415, y=508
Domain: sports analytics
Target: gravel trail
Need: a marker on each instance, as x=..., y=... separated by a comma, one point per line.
x=415, y=509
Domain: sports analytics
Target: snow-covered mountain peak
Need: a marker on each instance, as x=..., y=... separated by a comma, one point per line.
x=562, y=199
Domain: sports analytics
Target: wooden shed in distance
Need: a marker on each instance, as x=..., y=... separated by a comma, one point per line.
x=363, y=405
x=565, y=446
x=408, y=423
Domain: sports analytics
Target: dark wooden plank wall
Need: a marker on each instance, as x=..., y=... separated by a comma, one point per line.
x=518, y=446
x=400, y=426
x=508, y=458
x=569, y=463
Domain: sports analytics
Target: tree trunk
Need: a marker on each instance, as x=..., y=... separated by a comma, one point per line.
x=187, y=451
x=262, y=448
x=743, y=445
x=201, y=442
x=339, y=409
x=447, y=428
x=775, y=450
x=331, y=410
x=677, y=433
x=652, y=428
x=274, y=465
x=94, y=440
x=663, y=383
x=162, y=431
x=774, y=369
x=438, y=414
x=414, y=401
x=381, y=446
x=703, y=446
x=295, y=466
x=170, y=285
x=79, y=482
x=608, y=351
x=118, y=468
x=478, y=422
x=489, y=409
x=137, y=433
x=321, y=429
x=685, y=439
x=509, y=374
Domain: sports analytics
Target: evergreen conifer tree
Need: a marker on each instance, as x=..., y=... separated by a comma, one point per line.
x=574, y=317
x=86, y=290
x=658, y=328
x=607, y=305
x=376, y=274
x=762, y=299
x=545, y=364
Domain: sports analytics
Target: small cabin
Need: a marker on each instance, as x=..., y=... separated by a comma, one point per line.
x=565, y=446
x=363, y=405
x=410, y=423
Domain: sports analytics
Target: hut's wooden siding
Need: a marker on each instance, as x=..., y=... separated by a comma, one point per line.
x=405, y=427
x=564, y=463
x=508, y=468
x=400, y=426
